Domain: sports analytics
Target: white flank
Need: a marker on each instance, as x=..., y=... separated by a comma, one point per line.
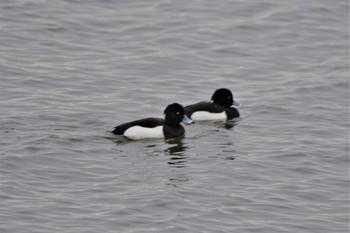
x=138, y=132
x=207, y=116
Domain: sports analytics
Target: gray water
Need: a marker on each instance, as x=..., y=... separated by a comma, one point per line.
x=72, y=70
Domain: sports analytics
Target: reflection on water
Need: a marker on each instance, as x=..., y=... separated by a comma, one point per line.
x=173, y=147
x=231, y=123
x=178, y=158
x=176, y=147
x=178, y=180
x=178, y=161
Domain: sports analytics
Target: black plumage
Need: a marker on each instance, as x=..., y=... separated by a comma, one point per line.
x=147, y=123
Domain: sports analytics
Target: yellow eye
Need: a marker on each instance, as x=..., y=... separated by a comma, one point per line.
x=177, y=113
x=229, y=97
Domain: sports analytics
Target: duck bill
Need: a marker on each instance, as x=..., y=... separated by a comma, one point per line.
x=187, y=120
x=236, y=104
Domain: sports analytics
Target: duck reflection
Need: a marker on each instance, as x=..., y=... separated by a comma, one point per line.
x=230, y=124
x=176, y=151
x=178, y=180
x=176, y=146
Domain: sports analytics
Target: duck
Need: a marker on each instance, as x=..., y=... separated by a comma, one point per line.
x=223, y=106
x=166, y=128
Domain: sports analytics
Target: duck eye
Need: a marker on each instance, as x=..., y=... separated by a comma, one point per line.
x=229, y=97
x=177, y=113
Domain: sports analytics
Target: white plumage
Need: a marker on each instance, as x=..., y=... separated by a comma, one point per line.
x=138, y=132
x=203, y=116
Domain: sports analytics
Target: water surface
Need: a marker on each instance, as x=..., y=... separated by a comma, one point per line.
x=72, y=70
